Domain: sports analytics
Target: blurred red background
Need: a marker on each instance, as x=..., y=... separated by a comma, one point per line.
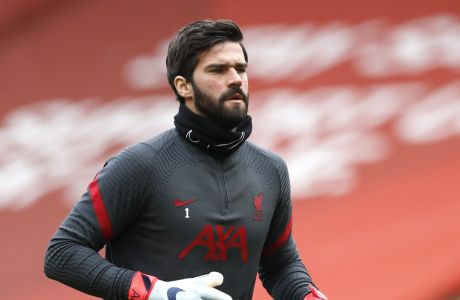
x=362, y=99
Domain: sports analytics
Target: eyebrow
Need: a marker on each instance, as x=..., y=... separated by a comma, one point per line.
x=238, y=65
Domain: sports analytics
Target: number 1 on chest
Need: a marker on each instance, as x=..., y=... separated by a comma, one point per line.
x=187, y=216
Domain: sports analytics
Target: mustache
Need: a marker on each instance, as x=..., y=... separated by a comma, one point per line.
x=232, y=91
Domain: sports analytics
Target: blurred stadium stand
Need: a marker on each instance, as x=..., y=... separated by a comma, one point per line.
x=362, y=99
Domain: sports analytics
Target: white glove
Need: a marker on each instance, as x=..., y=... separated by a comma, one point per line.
x=196, y=288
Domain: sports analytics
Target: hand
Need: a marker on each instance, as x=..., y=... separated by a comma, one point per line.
x=196, y=288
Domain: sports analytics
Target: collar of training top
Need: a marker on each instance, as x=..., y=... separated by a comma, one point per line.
x=203, y=133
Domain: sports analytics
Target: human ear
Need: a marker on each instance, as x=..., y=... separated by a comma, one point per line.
x=183, y=87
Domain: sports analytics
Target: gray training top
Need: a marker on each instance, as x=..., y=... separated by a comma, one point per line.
x=167, y=208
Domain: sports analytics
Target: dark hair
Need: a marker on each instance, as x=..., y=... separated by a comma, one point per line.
x=194, y=39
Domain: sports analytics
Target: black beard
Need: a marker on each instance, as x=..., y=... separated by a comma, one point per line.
x=216, y=111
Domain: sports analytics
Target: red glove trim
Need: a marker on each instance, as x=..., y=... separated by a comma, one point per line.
x=141, y=286
x=315, y=294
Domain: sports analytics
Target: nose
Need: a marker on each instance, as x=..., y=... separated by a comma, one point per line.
x=234, y=78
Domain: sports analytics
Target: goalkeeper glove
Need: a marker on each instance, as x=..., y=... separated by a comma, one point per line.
x=146, y=287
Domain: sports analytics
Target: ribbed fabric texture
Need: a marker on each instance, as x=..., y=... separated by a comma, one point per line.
x=284, y=276
x=137, y=188
x=282, y=273
x=72, y=256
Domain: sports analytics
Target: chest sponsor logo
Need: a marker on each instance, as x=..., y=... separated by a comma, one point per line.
x=218, y=241
x=258, y=213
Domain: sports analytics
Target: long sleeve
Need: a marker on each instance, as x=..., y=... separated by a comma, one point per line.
x=112, y=200
x=281, y=270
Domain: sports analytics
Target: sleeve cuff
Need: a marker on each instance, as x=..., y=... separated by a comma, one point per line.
x=141, y=286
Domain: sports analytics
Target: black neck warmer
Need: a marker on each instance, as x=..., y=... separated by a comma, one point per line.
x=203, y=133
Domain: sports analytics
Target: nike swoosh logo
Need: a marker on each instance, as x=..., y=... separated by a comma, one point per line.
x=179, y=203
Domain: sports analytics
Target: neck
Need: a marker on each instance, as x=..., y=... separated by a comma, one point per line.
x=200, y=131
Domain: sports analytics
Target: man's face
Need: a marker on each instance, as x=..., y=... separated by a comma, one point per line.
x=220, y=85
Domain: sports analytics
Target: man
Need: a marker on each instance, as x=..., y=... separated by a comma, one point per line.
x=197, y=199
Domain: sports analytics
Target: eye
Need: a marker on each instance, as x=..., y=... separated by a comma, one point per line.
x=241, y=69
